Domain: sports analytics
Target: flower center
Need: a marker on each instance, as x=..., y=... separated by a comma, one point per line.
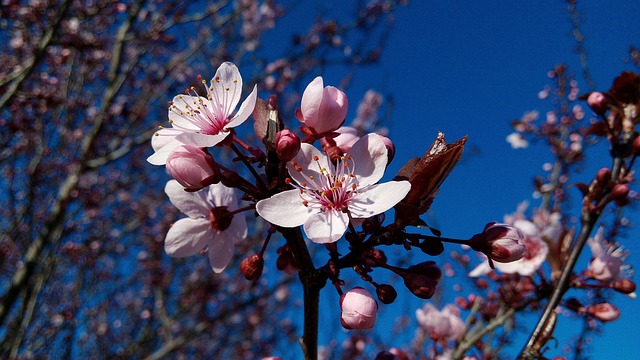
x=207, y=115
x=333, y=189
x=220, y=218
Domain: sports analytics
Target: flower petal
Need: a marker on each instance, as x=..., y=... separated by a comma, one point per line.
x=308, y=166
x=284, y=209
x=378, y=198
x=369, y=156
x=220, y=251
x=245, y=109
x=333, y=110
x=193, y=204
x=220, y=195
x=164, y=136
x=161, y=155
x=201, y=140
x=227, y=88
x=326, y=227
x=187, y=237
x=311, y=101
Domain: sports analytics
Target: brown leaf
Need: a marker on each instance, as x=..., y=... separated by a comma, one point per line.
x=426, y=175
x=261, y=117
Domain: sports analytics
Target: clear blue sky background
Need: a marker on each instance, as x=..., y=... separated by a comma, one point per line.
x=468, y=68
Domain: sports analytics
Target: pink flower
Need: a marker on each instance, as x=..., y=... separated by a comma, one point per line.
x=204, y=121
x=441, y=325
x=604, y=312
x=210, y=223
x=358, y=309
x=535, y=253
x=500, y=242
x=608, y=260
x=191, y=167
x=323, y=109
x=328, y=194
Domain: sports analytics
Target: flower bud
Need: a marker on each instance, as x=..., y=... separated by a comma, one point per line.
x=619, y=191
x=603, y=175
x=597, y=102
x=358, y=309
x=420, y=285
x=432, y=247
x=427, y=268
x=191, y=167
x=604, y=312
x=285, y=261
x=322, y=109
x=251, y=267
x=287, y=145
x=624, y=286
x=386, y=293
x=500, y=242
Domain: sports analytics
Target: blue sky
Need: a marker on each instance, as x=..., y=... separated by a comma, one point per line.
x=468, y=69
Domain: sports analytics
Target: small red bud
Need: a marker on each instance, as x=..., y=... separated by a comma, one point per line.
x=287, y=145
x=619, y=191
x=603, y=175
x=597, y=102
x=251, y=267
x=386, y=293
x=421, y=286
x=624, y=286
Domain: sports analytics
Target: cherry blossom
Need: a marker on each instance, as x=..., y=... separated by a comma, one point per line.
x=204, y=121
x=323, y=109
x=441, y=325
x=328, y=195
x=607, y=264
x=210, y=224
x=535, y=253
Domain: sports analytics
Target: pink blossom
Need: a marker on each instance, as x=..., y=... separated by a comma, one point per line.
x=328, y=195
x=535, y=253
x=346, y=138
x=500, y=242
x=210, y=223
x=323, y=109
x=608, y=260
x=604, y=312
x=204, y=121
x=358, y=309
x=441, y=325
x=191, y=167
x=517, y=141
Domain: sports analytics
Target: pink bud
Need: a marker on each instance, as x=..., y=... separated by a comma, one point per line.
x=191, y=167
x=359, y=309
x=597, y=102
x=619, y=191
x=604, y=312
x=603, y=175
x=420, y=285
x=347, y=136
x=386, y=293
x=323, y=108
x=287, y=145
x=500, y=242
x=624, y=286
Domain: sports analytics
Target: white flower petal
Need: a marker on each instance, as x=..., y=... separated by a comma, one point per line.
x=161, y=155
x=311, y=101
x=378, y=198
x=369, y=155
x=220, y=251
x=201, y=140
x=308, y=166
x=245, y=109
x=163, y=137
x=187, y=237
x=284, y=209
x=326, y=227
x=227, y=88
x=480, y=270
x=220, y=195
x=193, y=204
